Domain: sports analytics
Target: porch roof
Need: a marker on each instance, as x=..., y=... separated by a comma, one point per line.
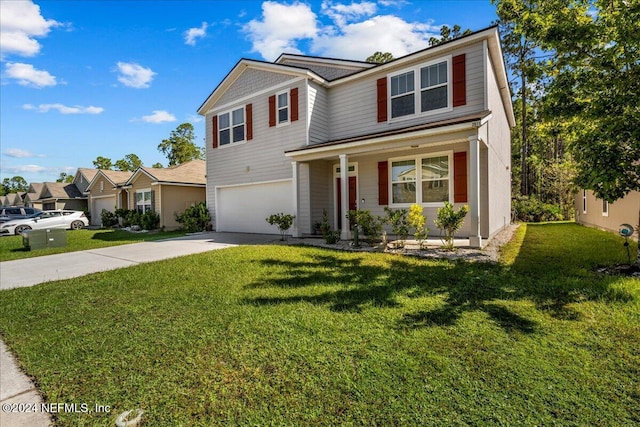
x=360, y=142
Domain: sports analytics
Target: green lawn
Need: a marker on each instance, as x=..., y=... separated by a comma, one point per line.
x=281, y=335
x=11, y=247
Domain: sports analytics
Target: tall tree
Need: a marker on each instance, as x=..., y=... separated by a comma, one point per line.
x=447, y=34
x=16, y=184
x=180, y=146
x=102, y=163
x=65, y=177
x=130, y=163
x=380, y=58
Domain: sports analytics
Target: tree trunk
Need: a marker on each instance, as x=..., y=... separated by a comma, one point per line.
x=524, y=185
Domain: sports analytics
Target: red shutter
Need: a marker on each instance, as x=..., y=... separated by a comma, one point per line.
x=214, y=131
x=382, y=99
x=249, y=121
x=272, y=110
x=460, y=177
x=383, y=183
x=459, y=80
x=294, y=104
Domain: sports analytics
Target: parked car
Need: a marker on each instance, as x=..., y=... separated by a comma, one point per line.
x=15, y=212
x=73, y=220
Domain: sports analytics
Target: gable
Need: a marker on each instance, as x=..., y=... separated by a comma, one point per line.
x=250, y=82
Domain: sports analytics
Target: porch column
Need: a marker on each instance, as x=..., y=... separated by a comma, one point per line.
x=294, y=184
x=344, y=196
x=475, y=238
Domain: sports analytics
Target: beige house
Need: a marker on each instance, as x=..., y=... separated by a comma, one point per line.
x=83, y=178
x=106, y=192
x=61, y=195
x=12, y=199
x=167, y=191
x=306, y=134
x=601, y=214
x=32, y=198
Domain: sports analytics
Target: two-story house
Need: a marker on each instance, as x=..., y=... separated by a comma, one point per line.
x=306, y=134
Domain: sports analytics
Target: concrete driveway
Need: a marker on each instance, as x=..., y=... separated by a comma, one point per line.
x=32, y=271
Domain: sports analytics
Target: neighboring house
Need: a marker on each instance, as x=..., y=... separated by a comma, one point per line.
x=12, y=199
x=167, y=191
x=599, y=213
x=32, y=199
x=106, y=192
x=61, y=195
x=306, y=134
x=83, y=178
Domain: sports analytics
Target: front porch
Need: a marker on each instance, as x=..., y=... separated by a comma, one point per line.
x=427, y=167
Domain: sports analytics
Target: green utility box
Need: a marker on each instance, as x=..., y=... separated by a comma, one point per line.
x=47, y=238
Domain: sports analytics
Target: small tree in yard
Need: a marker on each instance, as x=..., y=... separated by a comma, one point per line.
x=399, y=223
x=418, y=221
x=450, y=221
x=282, y=221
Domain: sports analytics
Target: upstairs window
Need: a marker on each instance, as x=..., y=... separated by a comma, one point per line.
x=283, y=107
x=433, y=87
x=422, y=90
x=402, y=94
x=231, y=127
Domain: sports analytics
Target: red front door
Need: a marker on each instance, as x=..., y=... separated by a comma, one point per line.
x=353, y=197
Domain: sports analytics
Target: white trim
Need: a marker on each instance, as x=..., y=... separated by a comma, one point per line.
x=315, y=153
x=253, y=95
x=287, y=122
x=417, y=158
x=230, y=112
x=244, y=184
x=417, y=89
x=103, y=197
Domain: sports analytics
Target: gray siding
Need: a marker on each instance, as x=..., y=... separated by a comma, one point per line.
x=353, y=105
x=318, y=114
x=260, y=159
x=499, y=157
x=251, y=81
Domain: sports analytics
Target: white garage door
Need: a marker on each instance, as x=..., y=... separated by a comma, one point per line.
x=244, y=208
x=108, y=203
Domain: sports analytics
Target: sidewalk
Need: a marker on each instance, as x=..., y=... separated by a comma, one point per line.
x=20, y=400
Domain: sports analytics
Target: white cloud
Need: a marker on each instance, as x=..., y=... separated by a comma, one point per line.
x=20, y=154
x=385, y=33
x=20, y=23
x=134, y=75
x=355, y=31
x=63, y=109
x=342, y=13
x=26, y=75
x=25, y=169
x=280, y=27
x=159, y=116
x=192, y=34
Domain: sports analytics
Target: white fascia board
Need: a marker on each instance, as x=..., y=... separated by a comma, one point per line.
x=237, y=71
x=316, y=153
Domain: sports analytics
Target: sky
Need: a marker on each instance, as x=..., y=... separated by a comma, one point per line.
x=83, y=79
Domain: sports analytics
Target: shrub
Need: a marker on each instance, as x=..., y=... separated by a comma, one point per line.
x=195, y=218
x=282, y=221
x=109, y=219
x=149, y=220
x=450, y=221
x=399, y=223
x=418, y=221
x=531, y=209
x=330, y=236
x=370, y=227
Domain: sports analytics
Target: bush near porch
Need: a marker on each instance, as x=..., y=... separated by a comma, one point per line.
x=282, y=335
